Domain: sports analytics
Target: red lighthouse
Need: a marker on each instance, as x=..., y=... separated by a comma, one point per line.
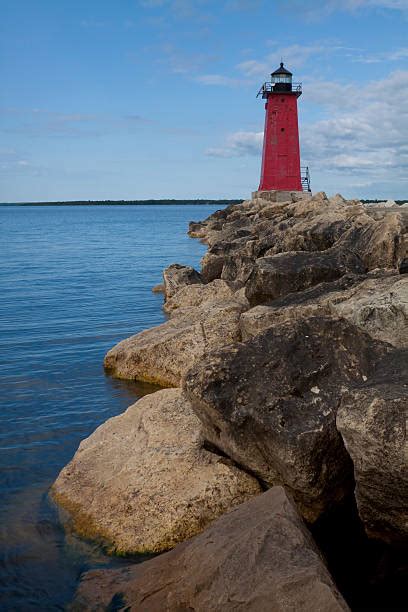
x=281, y=152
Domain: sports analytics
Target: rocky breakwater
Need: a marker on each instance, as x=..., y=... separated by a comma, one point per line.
x=288, y=351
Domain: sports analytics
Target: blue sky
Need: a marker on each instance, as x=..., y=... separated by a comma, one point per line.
x=156, y=98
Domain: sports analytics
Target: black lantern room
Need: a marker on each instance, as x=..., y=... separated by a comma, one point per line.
x=281, y=79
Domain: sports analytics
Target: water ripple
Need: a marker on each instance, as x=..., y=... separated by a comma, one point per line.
x=74, y=281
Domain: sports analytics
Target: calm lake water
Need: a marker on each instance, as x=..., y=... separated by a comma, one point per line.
x=73, y=281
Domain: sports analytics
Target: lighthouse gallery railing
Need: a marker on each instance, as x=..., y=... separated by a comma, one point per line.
x=269, y=88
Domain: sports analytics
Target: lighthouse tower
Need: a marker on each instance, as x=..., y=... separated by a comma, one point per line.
x=281, y=152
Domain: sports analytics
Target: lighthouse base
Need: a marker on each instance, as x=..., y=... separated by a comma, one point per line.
x=275, y=195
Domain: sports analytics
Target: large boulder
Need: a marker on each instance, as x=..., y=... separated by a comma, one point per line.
x=163, y=354
x=376, y=303
x=372, y=420
x=177, y=276
x=144, y=480
x=259, y=557
x=277, y=275
x=313, y=301
x=270, y=404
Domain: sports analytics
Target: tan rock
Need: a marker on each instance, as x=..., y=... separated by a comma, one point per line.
x=163, y=354
x=258, y=558
x=143, y=481
x=379, y=307
x=196, y=295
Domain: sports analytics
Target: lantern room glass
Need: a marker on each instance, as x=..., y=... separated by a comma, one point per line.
x=281, y=78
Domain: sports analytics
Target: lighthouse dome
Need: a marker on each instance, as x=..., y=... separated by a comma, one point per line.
x=281, y=71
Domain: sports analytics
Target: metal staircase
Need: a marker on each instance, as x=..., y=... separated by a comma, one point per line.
x=305, y=178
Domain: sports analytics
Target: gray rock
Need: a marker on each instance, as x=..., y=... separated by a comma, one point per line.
x=372, y=421
x=270, y=404
x=376, y=303
x=144, y=481
x=257, y=558
x=278, y=275
x=403, y=266
x=177, y=276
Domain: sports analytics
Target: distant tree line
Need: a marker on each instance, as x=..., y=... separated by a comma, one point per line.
x=126, y=203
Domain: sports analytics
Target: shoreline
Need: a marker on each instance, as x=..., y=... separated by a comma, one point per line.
x=204, y=202
x=166, y=202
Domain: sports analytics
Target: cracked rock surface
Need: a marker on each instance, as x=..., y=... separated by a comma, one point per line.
x=259, y=557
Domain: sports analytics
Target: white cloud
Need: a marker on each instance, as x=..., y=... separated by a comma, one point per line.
x=253, y=69
x=181, y=62
x=239, y=144
x=386, y=56
x=315, y=9
x=221, y=80
x=181, y=9
x=294, y=56
x=152, y=3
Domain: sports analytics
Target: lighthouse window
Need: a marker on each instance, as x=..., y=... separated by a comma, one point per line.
x=282, y=99
x=282, y=129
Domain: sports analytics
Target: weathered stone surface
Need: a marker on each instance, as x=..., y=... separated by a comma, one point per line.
x=380, y=307
x=176, y=276
x=256, y=229
x=257, y=558
x=270, y=404
x=294, y=306
x=163, y=354
x=211, y=266
x=384, y=242
x=192, y=296
x=143, y=481
x=376, y=303
x=278, y=275
x=373, y=423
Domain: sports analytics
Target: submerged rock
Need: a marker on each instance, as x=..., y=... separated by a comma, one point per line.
x=270, y=404
x=258, y=557
x=144, y=481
